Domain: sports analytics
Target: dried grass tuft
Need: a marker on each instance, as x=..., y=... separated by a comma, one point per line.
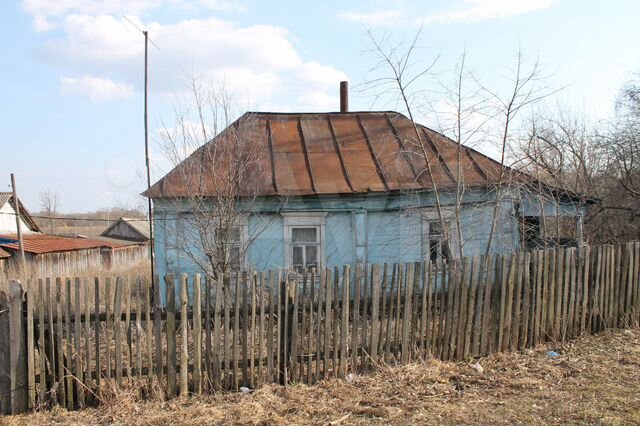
x=594, y=380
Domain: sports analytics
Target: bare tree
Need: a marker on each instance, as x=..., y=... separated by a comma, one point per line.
x=526, y=89
x=49, y=203
x=216, y=176
x=397, y=58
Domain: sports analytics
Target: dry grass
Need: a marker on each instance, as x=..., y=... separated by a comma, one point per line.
x=595, y=380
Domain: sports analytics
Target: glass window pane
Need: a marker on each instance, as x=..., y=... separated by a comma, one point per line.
x=235, y=235
x=312, y=256
x=435, y=228
x=229, y=236
x=304, y=235
x=234, y=257
x=297, y=256
x=434, y=245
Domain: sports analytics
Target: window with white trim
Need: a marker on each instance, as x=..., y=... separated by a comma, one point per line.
x=434, y=245
x=437, y=248
x=305, y=247
x=231, y=246
x=304, y=240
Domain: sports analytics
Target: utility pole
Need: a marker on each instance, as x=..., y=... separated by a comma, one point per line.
x=146, y=156
x=18, y=227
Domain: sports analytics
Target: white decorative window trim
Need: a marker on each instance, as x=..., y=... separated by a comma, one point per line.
x=302, y=220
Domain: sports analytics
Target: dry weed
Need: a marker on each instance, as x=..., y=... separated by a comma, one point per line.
x=594, y=380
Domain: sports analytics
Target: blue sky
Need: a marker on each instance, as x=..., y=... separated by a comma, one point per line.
x=72, y=69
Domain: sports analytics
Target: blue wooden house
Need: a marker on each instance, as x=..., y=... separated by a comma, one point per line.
x=345, y=187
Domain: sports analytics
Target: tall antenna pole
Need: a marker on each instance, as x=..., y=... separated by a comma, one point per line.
x=146, y=155
x=16, y=203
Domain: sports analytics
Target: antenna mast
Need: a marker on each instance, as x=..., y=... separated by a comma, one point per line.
x=146, y=156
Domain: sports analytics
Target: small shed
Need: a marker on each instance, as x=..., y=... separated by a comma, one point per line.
x=128, y=229
x=8, y=216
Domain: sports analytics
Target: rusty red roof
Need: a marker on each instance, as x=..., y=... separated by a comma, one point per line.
x=4, y=254
x=329, y=153
x=43, y=243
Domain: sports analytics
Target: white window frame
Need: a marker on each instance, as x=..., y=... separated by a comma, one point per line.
x=429, y=215
x=303, y=220
x=242, y=223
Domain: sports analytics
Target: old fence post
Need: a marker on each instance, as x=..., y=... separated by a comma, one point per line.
x=14, y=395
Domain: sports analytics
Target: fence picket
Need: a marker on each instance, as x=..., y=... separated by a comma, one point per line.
x=42, y=388
x=197, y=335
x=117, y=328
x=77, y=337
x=31, y=296
x=456, y=310
x=96, y=307
x=405, y=347
x=328, y=314
x=108, y=326
x=184, y=334
x=69, y=345
x=344, y=328
x=171, y=334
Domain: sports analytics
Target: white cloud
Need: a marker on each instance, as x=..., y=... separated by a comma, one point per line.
x=471, y=11
x=42, y=24
x=61, y=8
x=481, y=10
x=96, y=88
x=318, y=101
x=223, y=5
x=373, y=18
x=320, y=75
x=258, y=63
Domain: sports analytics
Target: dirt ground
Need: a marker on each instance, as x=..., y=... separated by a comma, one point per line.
x=593, y=380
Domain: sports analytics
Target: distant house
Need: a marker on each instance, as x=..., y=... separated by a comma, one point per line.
x=8, y=216
x=338, y=188
x=128, y=229
x=54, y=255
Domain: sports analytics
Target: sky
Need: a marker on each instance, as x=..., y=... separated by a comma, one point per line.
x=71, y=71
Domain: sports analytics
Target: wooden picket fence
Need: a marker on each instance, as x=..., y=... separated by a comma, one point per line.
x=69, y=337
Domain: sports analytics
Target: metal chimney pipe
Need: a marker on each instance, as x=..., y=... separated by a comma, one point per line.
x=344, y=96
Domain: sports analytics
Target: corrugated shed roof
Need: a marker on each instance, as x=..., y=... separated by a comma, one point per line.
x=26, y=216
x=4, y=254
x=331, y=153
x=43, y=243
x=141, y=226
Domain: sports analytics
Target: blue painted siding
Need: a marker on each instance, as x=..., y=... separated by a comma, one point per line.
x=388, y=228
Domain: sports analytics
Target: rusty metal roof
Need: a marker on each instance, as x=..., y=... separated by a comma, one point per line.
x=332, y=153
x=4, y=254
x=43, y=243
